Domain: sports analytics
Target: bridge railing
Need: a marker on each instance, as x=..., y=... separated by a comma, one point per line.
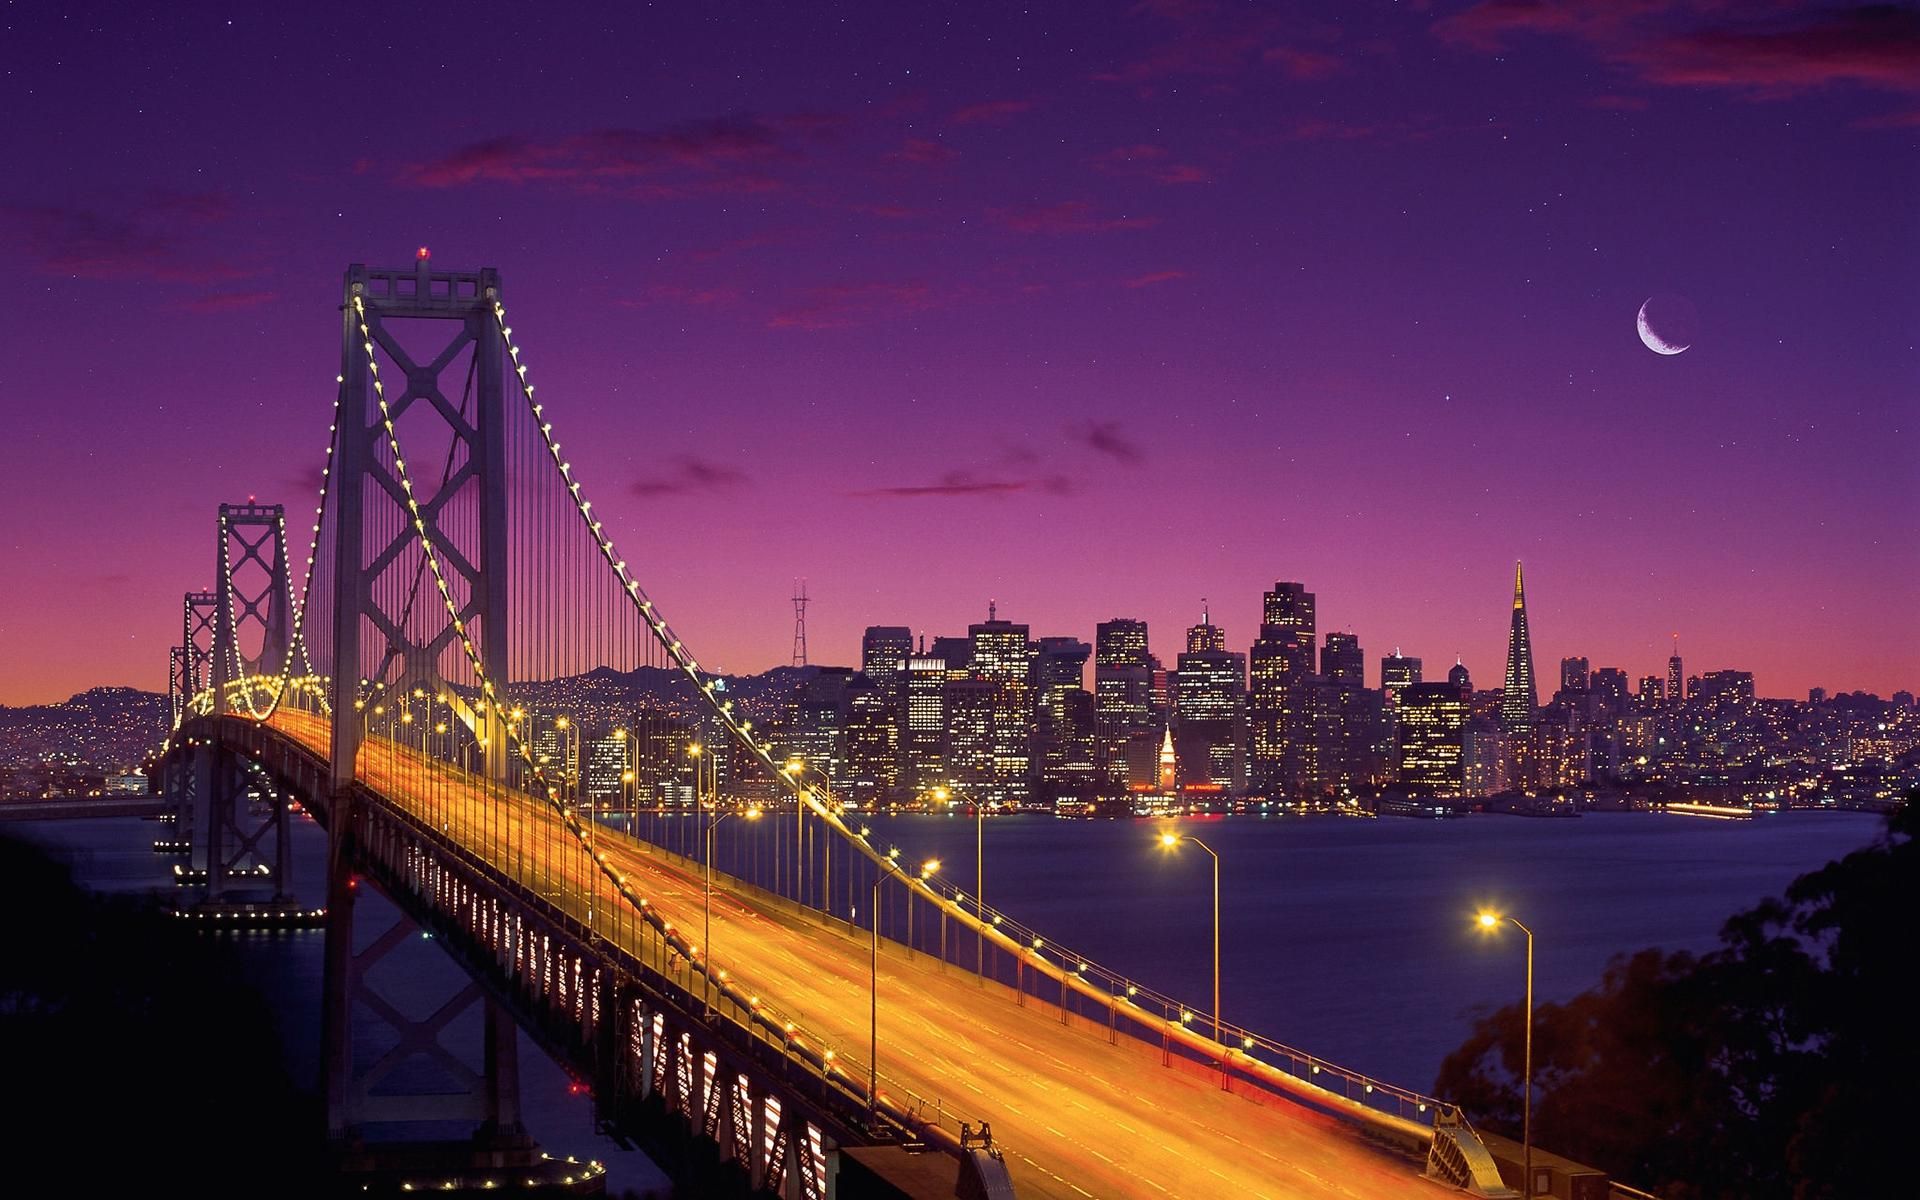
x=1161, y=1015
x=655, y=947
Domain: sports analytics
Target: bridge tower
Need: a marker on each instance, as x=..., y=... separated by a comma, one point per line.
x=255, y=594
x=178, y=692
x=198, y=617
x=371, y=499
x=241, y=849
x=191, y=665
x=438, y=331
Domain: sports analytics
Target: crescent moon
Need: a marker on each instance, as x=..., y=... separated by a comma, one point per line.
x=1652, y=338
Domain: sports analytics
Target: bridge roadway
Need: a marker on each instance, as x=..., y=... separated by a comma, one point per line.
x=1075, y=1115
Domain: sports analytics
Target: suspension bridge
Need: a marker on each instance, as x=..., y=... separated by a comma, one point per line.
x=757, y=1036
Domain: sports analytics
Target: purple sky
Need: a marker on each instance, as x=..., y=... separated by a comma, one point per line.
x=1095, y=312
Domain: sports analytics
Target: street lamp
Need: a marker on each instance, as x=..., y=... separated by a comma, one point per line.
x=795, y=770
x=888, y=865
x=625, y=743
x=706, y=928
x=569, y=759
x=1489, y=923
x=979, y=880
x=1169, y=841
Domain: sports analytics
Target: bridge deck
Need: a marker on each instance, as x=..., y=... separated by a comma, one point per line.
x=1075, y=1115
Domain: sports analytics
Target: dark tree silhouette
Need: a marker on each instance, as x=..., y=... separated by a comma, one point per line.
x=1780, y=1065
x=136, y=1058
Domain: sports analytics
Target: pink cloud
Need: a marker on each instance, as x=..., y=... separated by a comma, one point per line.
x=1303, y=64
x=740, y=245
x=964, y=484
x=1893, y=120
x=152, y=240
x=1145, y=160
x=1106, y=437
x=1066, y=217
x=924, y=152
x=219, y=302
x=844, y=305
x=1121, y=157
x=991, y=112
x=1184, y=173
x=1489, y=24
x=1190, y=54
x=694, y=297
x=688, y=475
x=1876, y=47
x=731, y=152
x=1140, y=281
x=1316, y=129
x=1691, y=44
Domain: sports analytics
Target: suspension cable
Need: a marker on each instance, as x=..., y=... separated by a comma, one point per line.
x=949, y=898
x=696, y=956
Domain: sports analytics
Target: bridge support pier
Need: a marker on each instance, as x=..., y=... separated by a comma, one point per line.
x=363, y=1096
x=235, y=815
x=189, y=672
x=177, y=776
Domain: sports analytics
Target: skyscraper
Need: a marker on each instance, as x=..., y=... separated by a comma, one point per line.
x=872, y=739
x=1122, y=693
x=1059, y=665
x=1676, y=681
x=818, y=721
x=1003, y=658
x=1280, y=667
x=1433, y=730
x=1342, y=662
x=1350, y=727
x=1288, y=608
x=968, y=744
x=1206, y=635
x=1063, y=717
x=1396, y=672
x=1608, y=688
x=1209, y=712
x=1519, y=697
x=1573, y=674
x=884, y=650
x=923, y=733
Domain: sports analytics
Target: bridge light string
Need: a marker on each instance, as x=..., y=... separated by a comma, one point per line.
x=245, y=685
x=297, y=641
x=808, y=794
x=804, y=792
x=741, y=728
x=569, y=820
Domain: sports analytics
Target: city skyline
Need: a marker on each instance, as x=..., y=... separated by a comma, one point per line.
x=972, y=599
x=1088, y=315
x=1176, y=630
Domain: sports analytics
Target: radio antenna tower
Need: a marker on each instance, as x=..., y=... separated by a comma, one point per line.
x=799, y=622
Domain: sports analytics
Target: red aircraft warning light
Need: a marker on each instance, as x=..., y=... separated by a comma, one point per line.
x=423, y=254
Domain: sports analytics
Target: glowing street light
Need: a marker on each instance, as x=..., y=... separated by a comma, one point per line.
x=1490, y=922
x=794, y=770
x=569, y=758
x=711, y=776
x=889, y=865
x=1168, y=841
